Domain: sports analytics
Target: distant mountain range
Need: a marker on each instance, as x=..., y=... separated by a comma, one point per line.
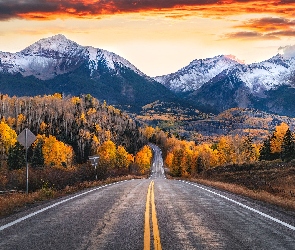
x=57, y=64
x=219, y=83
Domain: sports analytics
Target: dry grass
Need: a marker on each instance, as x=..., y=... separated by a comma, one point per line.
x=271, y=182
x=14, y=202
x=260, y=195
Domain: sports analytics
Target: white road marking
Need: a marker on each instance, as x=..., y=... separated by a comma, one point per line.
x=46, y=208
x=245, y=206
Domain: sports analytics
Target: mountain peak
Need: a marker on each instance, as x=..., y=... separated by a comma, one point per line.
x=58, y=44
x=234, y=58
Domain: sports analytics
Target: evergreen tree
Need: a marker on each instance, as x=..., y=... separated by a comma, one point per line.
x=288, y=147
x=265, y=151
x=38, y=157
x=16, y=157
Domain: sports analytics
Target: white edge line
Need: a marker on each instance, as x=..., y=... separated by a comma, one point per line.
x=247, y=207
x=46, y=208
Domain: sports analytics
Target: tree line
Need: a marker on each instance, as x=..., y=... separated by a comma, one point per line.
x=68, y=129
x=188, y=159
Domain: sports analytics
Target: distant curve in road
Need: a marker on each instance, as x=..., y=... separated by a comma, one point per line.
x=188, y=216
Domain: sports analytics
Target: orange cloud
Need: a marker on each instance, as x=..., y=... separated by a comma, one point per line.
x=265, y=28
x=250, y=35
x=268, y=24
x=49, y=9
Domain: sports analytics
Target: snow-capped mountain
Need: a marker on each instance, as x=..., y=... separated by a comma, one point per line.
x=58, y=55
x=197, y=73
x=57, y=64
x=258, y=77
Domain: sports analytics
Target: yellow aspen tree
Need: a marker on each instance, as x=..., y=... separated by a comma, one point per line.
x=7, y=138
x=278, y=136
x=43, y=127
x=144, y=158
x=224, y=150
x=56, y=153
x=122, y=158
x=107, y=153
x=148, y=132
x=95, y=144
x=169, y=159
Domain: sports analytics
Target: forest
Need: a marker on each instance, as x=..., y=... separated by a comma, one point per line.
x=189, y=159
x=68, y=129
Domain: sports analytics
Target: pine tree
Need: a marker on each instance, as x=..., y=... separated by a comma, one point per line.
x=16, y=157
x=38, y=157
x=265, y=151
x=288, y=147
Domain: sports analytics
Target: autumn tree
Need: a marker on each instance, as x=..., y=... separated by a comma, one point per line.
x=56, y=153
x=277, y=139
x=123, y=158
x=143, y=159
x=107, y=153
x=248, y=150
x=7, y=139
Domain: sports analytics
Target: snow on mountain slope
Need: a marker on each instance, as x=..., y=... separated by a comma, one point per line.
x=58, y=55
x=258, y=77
x=268, y=74
x=197, y=73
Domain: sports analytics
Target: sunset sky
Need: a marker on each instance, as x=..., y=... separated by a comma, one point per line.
x=157, y=36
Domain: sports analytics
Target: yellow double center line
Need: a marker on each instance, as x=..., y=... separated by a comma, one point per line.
x=150, y=200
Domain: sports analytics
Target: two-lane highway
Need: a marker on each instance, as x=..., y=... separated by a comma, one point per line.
x=150, y=214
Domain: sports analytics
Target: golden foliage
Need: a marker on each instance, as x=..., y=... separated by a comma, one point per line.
x=144, y=158
x=278, y=136
x=7, y=138
x=56, y=153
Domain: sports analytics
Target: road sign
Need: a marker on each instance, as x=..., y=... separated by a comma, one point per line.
x=94, y=160
x=26, y=138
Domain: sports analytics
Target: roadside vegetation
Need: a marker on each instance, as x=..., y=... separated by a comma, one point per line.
x=68, y=131
x=263, y=170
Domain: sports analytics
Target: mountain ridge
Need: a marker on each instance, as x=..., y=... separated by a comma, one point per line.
x=57, y=64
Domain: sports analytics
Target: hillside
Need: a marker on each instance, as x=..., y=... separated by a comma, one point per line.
x=223, y=82
x=81, y=122
x=57, y=64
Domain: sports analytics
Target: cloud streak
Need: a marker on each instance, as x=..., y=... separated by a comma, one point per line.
x=267, y=28
x=51, y=9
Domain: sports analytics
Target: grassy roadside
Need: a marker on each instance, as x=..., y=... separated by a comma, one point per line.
x=271, y=182
x=15, y=202
x=259, y=195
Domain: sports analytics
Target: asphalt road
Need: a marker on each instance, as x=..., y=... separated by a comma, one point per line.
x=150, y=214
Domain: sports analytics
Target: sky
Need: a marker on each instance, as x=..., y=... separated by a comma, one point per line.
x=157, y=36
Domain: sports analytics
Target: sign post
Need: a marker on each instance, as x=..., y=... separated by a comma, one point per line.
x=26, y=138
x=94, y=160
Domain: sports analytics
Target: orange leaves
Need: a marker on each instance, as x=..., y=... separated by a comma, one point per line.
x=148, y=132
x=114, y=157
x=107, y=153
x=56, y=153
x=144, y=158
x=43, y=127
x=278, y=136
x=186, y=159
x=7, y=137
x=123, y=158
